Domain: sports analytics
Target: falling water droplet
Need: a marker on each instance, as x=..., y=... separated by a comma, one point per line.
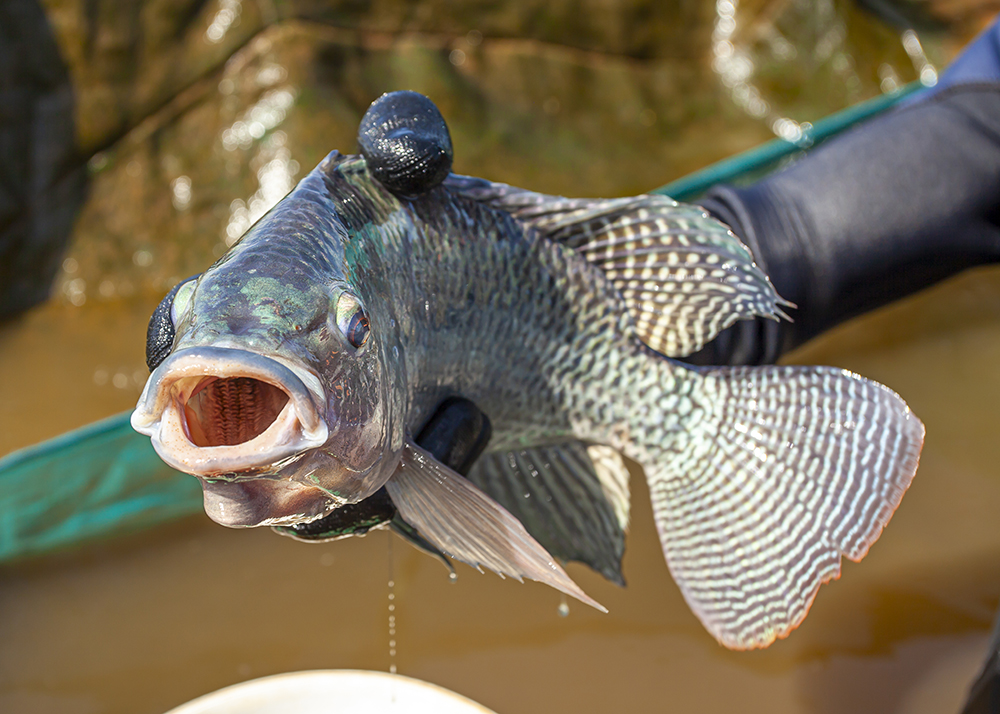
x=563, y=608
x=392, y=612
x=453, y=577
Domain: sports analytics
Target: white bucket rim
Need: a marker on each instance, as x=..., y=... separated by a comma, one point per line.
x=332, y=691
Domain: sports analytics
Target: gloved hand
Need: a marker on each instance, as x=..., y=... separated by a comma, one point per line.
x=891, y=207
x=456, y=434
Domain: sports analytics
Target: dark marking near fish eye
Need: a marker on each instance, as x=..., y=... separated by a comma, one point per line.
x=318, y=323
x=405, y=142
x=161, y=330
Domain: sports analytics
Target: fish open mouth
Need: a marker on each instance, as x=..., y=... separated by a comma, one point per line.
x=217, y=410
x=225, y=411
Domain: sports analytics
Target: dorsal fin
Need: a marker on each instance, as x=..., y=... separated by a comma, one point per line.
x=683, y=275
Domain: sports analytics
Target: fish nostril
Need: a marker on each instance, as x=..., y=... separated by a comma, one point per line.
x=231, y=410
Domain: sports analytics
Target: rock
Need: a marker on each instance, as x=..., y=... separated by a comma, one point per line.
x=129, y=58
x=175, y=192
x=197, y=115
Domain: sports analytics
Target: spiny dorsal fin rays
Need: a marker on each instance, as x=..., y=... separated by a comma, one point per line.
x=683, y=276
x=794, y=468
x=466, y=524
x=572, y=498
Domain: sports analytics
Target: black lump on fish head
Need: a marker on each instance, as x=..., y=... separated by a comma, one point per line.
x=278, y=377
x=406, y=143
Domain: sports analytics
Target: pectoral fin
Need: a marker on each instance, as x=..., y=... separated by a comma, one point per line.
x=460, y=520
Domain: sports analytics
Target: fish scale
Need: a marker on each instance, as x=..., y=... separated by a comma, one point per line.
x=522, y=319
x=696, y=490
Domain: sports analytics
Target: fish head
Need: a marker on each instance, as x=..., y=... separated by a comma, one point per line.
x=283, y=390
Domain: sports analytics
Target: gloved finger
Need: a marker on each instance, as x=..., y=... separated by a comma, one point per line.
x=456, y=434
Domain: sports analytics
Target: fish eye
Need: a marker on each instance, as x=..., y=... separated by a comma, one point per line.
x=352, y=320
x=357, y=329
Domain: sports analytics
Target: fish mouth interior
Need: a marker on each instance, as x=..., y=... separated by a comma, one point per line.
x=227, y=411
x=213, y=410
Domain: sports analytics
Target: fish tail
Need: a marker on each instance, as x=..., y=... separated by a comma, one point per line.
x=785, y=470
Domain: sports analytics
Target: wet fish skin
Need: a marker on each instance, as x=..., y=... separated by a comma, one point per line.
x=456, y=435
x=759, y=477
x=275, y=294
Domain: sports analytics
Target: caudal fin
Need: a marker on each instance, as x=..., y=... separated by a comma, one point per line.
x=792, y=468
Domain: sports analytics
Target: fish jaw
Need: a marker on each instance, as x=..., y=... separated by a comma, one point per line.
x=265, y=502
x=219, y=410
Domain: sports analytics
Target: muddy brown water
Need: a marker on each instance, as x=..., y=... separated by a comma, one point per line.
x=146, y=622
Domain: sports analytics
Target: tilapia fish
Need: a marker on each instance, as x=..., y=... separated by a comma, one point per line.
x=297, y=369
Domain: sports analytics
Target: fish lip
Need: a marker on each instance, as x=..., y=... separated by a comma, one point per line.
x=159, y=413
x=251, y=503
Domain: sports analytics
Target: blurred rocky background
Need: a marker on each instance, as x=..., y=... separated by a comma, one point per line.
x=139, y=139
x=42, y=177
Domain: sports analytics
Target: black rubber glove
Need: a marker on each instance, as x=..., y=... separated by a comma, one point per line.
x=456, y=434
x=894, y=206
x=984, y=695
